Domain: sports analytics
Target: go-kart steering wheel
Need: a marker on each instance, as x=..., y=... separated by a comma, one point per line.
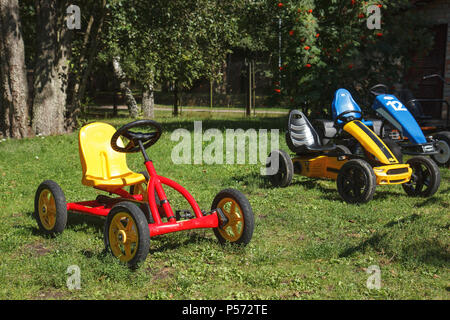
x=136, y=138
x=348, y=119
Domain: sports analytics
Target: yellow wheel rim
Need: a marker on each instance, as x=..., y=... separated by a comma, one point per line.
x=141, y=188
x=47, y=209
x=233, y=230
x=123, y=236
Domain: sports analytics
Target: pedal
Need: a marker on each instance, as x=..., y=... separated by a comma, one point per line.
x=183, y=214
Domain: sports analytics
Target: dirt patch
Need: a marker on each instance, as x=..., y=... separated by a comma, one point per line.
x=36, y=249
x=51, y=294
x=163, y=273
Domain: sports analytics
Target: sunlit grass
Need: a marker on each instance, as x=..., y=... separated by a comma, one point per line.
x=307, y=244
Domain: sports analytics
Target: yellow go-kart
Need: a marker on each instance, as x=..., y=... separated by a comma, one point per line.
x=356, y=176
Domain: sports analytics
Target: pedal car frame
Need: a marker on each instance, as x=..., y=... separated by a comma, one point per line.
x=133, y=217
x=158, y=227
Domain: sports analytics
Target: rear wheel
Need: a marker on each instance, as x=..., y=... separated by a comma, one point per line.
x=341, y=149
x=50, y=208
x=238, y=211
x=281, y=175
x=443, y=147
x=141, y=188
x=356, y=181
x=425, y=178
x=126, y=234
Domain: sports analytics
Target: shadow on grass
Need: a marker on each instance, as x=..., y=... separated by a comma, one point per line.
x=429, y=251
x=431, y=201
x=253, y=179
x=164, y=243
x=82, y=222
x=77, y=221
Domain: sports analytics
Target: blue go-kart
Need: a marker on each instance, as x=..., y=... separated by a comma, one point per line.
x=403, y=120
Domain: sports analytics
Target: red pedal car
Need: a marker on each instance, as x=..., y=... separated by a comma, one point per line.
x=144, y=211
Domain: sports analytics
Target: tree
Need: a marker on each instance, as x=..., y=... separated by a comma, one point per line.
x=120, y=75
x=326, y=47
x=83, y=57
x=14, y=121
x=176, y=42
x=51, y=68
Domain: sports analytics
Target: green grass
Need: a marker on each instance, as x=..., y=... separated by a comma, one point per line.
x=307, y=244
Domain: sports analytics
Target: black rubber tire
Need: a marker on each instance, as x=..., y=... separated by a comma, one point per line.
x=425, y=173
x=143, y=232
x=246, y=212
x=356, y=181
x=283, y=177
x=60, y=207
x=443, y=159
x=395, y=149
x=341, y=149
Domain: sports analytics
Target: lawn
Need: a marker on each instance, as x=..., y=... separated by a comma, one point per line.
x=307, y=243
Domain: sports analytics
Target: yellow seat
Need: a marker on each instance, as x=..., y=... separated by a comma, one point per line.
x=103, y=167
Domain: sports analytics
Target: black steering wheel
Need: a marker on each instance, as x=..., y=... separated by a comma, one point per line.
x=375, y=92
x=348, y=119
x=147, y=139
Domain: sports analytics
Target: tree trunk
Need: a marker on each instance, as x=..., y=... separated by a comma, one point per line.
x=148, y=101
x=87, y=57
x=121, y=77
x=13, y=76
x=51, y=69
x=176, y=99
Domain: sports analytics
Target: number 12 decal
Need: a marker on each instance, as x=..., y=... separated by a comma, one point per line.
x=396, y=105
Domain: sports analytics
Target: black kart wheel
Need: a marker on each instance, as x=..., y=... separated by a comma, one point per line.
x=50, y=208
x=443, y=149
x=126, y=234
x=395, y=149
x=238, y=229
x=282, y=177
x=425, y=178
x=356, y=181
x=341, y=149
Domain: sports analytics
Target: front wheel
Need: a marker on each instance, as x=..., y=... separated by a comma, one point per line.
x=238, y=229
x=356, y=181
x=425, y=178
x=126, y=234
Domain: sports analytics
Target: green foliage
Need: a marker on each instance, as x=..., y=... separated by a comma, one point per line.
x=326, y=46
x=174, y=41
